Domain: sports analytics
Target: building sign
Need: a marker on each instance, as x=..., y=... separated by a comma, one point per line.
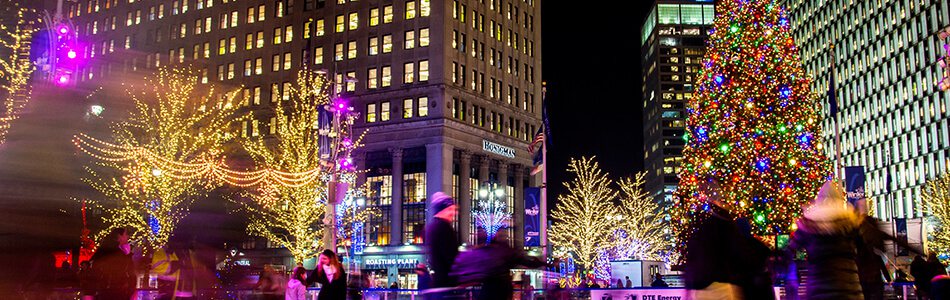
x=498, y=149
x=532, y=217
x=384, y=263
x=854, y=183
x=639, y=294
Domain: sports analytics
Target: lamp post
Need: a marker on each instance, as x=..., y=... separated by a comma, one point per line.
x=492, y=211
x=336, y=152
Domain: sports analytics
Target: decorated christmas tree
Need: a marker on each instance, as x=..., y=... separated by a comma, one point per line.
x=753, y=123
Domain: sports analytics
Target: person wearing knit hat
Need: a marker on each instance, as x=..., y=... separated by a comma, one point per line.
x=441, y=240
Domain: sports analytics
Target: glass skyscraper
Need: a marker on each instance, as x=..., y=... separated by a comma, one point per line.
x=673, y=41
x=893, y=118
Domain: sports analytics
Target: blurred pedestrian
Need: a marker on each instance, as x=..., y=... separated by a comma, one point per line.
x=619, y=283
x=269, y=284
x=87, y=280
x=491, y=264
x=629, y=283
x=441, y=242
x=712, y=250
x=166, y=267
x=113, y=267
x=787, y=272
x=755, y=280
x=940, y=287
x=296, y=289
x=922, y=275
x=424, y=279
x=871, y=268
x=828, y=231
x=937, y=268
x=658, y=281
x=330, y=275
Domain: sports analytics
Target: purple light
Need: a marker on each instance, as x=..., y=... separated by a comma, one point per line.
x=71, y=54
x=63, y=79
x=63, y=29
x=719, y=79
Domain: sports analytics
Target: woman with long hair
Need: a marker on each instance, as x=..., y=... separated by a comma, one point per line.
x=330, y=275
x=296, y=290
x=113, y=268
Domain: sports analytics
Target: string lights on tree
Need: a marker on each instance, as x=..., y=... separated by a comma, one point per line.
x=581, y=226
x=935, y=199
x=172, y=120
x=640, y=234
x=15, y=69
x=753, y=123
x=311, y=134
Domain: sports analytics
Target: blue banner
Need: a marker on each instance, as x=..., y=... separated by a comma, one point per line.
x=854, y=183
x=532, y=217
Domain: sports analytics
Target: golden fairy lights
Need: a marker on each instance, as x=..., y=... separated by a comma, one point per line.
x=15, y=71
x=284, y=198
x=305, y=139
x=935, y=200
x=588, y=223
x=172, y=120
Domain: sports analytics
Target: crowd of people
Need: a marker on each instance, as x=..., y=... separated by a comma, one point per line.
x=111, y=273
x=843, y=247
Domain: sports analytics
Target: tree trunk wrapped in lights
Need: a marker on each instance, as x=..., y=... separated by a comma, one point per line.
x=304, y=140
x=174, y=120
x=15, y=70
x=753, y=123
x=935, y=200
x=581, y=226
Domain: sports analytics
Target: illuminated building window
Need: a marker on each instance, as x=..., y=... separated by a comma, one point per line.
x=387, y=14
x=407, y=108
x=278, y=35
x=424, y=70
x=320, y=30
x=424, y=7
x=410, y=10
x=371, y=113
x=258, y=66
x=354, y=21
x=318, y=56
x=423, y=106
x=285, y=91
x=387, y=43
x=275, y=63
x=387, y=76
x=338, y=53
x=373, y=17
x=371, y=78
x=340, y=24
x=408, y=72
x=410, y=39
x=424, y=37
x=351, y=50
x=384, y=111
x=373, y=46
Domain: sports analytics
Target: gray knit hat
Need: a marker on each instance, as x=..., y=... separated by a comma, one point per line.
x=441, y=201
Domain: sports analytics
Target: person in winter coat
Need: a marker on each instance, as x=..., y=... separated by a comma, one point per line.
x=330, y=275
x=936, y=267
x=755, y=280
x=922, y=275
x=495, y=278
x=871, y=268
x=113, y=267
x=296, y=290
x=713, y=258
x=442, y=243
x=827, y=231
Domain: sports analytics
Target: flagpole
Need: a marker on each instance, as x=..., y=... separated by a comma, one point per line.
x=838, y=164
x=544, y=181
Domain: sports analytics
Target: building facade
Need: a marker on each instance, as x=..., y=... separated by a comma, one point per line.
x=893, y=117
x=673, y=40
x=449, y=92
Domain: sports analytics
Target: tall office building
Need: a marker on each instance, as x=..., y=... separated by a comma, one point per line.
x=673, y=39
x=893, y=118
x=449, y=91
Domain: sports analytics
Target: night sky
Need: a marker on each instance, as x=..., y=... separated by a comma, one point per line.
x=591, y=63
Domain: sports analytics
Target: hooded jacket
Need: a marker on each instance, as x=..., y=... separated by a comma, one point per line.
x=828, y=231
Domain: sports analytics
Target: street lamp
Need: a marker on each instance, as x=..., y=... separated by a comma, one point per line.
x=492, y=211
